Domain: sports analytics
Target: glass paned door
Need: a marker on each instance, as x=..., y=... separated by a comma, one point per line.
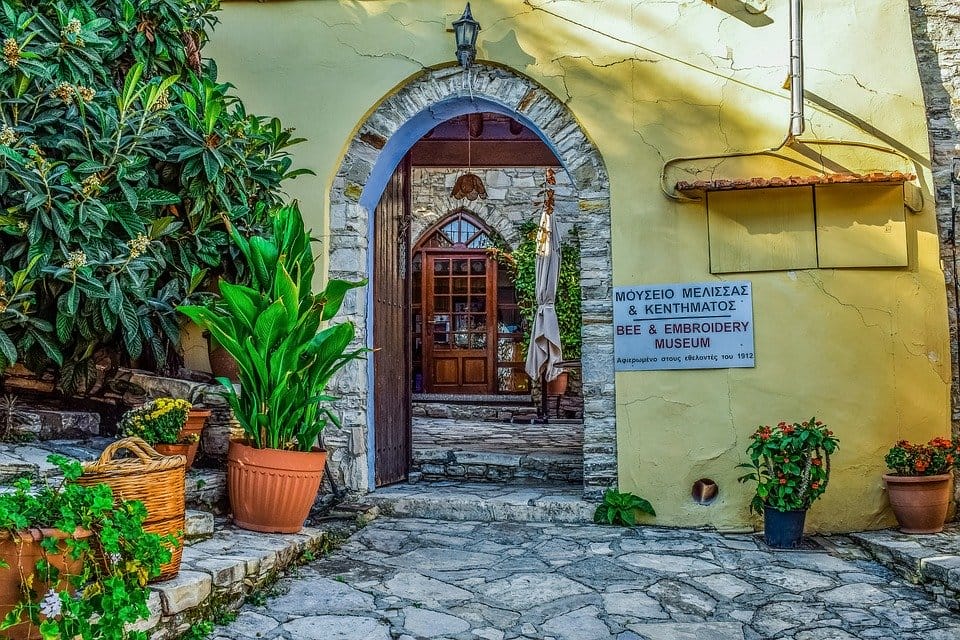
x=460, y=311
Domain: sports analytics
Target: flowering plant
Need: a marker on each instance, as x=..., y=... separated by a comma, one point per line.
x=935, y=458
x=105, y=590
x=158, y=422
x=790, y=464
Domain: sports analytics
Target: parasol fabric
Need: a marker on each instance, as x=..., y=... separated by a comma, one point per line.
x=544, y=352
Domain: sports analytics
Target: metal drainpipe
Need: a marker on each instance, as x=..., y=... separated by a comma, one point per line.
x=797, y=124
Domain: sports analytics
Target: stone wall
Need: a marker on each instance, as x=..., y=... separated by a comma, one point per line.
x=410, y=113
x=512, y=199
x=936, y=38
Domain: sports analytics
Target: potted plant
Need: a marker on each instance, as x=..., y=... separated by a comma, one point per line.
x=919, y=483
x=73, y=563
x=791, y=465
x=162, y=423
x=273, y=329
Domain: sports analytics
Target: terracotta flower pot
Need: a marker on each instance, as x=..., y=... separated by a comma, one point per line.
x=196, y=421
x=222, y=364
x=920, y=503
x=21, y=553
x=272, y=490
x=558, y=386
x=188, y=450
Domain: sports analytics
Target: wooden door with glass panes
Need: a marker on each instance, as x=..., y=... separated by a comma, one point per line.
x=460, y=315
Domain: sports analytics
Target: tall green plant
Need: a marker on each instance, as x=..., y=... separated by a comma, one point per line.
x=522, y=263
x=123, y=160
x=272, y=329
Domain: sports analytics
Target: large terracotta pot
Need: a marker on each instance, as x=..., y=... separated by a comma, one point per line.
x=21, y=552
x=188, y=450
x=272, y=490
x=919, y=502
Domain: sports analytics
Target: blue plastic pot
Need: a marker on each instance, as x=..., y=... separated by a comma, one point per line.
x=783, y=529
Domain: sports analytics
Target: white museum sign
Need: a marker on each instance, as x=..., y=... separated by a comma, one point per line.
x=696, y=325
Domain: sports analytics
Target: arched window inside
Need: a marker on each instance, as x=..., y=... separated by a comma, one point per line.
x=460, y=230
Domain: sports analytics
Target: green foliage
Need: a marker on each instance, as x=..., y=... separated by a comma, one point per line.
x=790, y=464
x=123, y=162
x=937, y=457
x=621, y=508
x=522, y=263
x=272, y=329
x=199, y=630
x=110, y=590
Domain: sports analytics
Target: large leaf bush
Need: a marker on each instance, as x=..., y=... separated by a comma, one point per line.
x=124, y=161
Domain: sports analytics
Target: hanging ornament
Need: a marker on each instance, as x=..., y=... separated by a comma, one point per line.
x=469, y=186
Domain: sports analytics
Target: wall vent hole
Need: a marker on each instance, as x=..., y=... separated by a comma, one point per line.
x=705, y=491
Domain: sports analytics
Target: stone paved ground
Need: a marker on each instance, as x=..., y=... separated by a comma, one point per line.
x=414, y=578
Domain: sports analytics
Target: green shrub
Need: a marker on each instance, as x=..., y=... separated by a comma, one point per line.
x=123, y=163
x=621, y=508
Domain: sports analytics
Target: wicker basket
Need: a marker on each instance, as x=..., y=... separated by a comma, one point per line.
x=155, y=480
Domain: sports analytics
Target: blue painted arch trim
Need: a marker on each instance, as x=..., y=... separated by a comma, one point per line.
x=387, y=161
x=419, y=125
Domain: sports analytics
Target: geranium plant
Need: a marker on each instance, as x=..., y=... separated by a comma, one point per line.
x=109, y=590
x=790, y=464
x=937, y=457
x=158, y=421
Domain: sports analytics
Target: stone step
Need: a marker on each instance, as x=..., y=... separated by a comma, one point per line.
x=491, y=412
x=206, y=489
x=480, y=466
x=931, y=561
x=218, y=573
x=484, y=502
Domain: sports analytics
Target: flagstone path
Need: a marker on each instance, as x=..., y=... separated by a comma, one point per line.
x=411, y=579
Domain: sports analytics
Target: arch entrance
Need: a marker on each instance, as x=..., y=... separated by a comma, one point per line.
x=370, y=169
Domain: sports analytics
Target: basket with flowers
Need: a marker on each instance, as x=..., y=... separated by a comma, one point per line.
x=161, y=423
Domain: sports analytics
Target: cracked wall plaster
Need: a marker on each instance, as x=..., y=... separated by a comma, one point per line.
x=647, y=81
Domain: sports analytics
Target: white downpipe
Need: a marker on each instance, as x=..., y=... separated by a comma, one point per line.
x=797, y=123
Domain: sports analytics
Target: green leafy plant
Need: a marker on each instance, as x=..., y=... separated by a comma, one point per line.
x=109, y=591
x=123, y=160
x=272, y=329
x=937, y=457
x=790, y=464
x=621, y=508
x=158, y=421
x=522, y=263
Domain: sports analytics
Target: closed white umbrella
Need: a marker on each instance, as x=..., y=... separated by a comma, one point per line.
x=544, y=351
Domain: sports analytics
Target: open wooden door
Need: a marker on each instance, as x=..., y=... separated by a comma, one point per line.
x=391, y=359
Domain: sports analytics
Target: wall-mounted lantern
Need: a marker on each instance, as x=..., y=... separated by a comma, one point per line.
x=466, y=30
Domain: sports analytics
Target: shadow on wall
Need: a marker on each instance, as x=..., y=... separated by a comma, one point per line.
x=932, y=30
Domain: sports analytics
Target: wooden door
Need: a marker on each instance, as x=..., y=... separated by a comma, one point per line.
x=460, y=318
x=391, y=358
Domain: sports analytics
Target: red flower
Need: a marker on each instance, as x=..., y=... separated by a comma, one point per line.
x=814, y=485
x=816, y=462
x=783, y=481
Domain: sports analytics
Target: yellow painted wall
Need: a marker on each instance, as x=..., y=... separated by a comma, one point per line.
x=866, y=350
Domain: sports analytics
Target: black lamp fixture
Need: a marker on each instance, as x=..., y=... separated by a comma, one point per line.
x=466, y=30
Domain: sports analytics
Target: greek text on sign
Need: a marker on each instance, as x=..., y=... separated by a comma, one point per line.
x=698, y=325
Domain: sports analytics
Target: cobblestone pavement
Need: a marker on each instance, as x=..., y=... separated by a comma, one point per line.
x=414, y=578
x=446, y=433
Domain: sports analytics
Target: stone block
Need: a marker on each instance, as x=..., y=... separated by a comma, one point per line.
x=197, y=523
x=187, y=590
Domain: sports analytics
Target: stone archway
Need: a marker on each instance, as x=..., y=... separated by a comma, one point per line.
x=382, y=140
